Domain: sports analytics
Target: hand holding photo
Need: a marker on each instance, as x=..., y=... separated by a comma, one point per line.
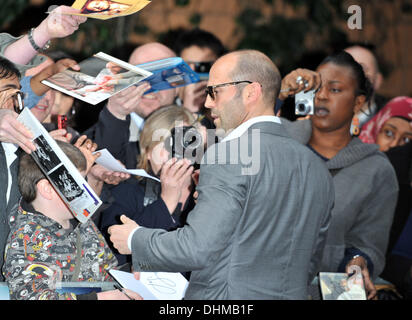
x=99, y=78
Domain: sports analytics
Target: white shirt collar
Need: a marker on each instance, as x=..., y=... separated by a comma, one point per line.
x=242, y=128
x=10, y=149
x=10, y=153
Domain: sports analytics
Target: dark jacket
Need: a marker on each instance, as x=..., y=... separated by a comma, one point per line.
x=113, y=134
x=7, y=208
x=142, y=203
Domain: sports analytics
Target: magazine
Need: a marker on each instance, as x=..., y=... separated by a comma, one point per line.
x=100, y=77
x=60, y=171
x=107, y=9
x=168, y=73
x=341, y=286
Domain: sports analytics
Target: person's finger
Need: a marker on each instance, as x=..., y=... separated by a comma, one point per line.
x=133, y=294
x=183, y=171
x=20, y=137
x=93, y=147
x=124, y=219
x=80, y=141
x=369, y=284
x=66, y=64
x=58, y=133
x=140, y=90
x=166, y=166
x=176, y=167
x=69, y=21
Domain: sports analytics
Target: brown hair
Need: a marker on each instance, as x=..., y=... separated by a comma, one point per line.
x=30, y=173
x=156, y=129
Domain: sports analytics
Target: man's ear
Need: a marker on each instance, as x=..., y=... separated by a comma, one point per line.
x=45, y=189
x=252, y=92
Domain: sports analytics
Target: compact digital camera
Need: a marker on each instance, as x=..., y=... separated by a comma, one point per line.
x=304, y=103
x=185, y=142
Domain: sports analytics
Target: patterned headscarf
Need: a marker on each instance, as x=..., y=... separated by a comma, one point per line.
x=397, y=107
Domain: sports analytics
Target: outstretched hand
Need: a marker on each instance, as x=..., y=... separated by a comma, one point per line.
x=125, y=102
x=61, y=65
x=119, y=234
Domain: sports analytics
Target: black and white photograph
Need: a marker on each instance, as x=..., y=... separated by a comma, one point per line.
x=44, y=154
x=66, y=184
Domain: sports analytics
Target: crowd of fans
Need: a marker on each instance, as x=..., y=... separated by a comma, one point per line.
x=357, y=142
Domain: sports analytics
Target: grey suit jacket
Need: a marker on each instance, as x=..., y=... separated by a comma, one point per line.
x=256, y=235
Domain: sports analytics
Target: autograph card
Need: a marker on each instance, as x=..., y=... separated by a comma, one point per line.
x=153, y=285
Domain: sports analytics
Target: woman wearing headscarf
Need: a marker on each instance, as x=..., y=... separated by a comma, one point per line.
x=391, y=130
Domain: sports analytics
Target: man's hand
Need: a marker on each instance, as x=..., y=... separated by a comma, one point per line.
x=13, y=131
x=120, y=233
x=125, y=102
x=361, y=263
x=61, y=65
x=294, y=82
x=59, y=23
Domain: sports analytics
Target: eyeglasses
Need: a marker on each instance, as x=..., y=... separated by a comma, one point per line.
x=210, y=90
x=18, y=102
x=17, y=99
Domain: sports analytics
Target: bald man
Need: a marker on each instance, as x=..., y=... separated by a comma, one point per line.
x=114, y=129
x=258, y=228
x=368, y=61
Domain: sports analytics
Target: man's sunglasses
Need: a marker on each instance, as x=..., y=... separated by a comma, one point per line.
x=210, y=90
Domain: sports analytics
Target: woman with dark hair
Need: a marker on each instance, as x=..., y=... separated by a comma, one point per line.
x=365, y=183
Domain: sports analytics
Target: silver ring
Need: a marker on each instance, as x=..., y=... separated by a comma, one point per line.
x=299, y=80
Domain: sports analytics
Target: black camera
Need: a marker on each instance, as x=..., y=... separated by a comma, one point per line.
x=202, y=67
x=185, y=142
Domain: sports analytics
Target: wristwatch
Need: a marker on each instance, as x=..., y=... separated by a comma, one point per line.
x=34, y=45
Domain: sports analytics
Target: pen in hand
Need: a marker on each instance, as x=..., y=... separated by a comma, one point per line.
x=123, y=291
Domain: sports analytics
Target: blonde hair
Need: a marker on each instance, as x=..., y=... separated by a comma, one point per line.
x=157, y=128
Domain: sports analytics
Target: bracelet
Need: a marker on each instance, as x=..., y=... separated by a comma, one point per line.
x=33, y=43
